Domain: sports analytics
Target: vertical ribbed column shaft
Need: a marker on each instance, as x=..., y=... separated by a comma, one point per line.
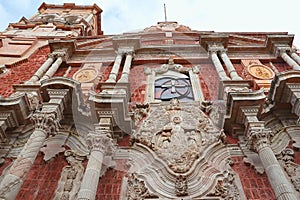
x=115, y=69
x=51, y=71
x=289, y=61
x=259, y=138
x=126, y=68
x=99, y=143
x=281, y=186
x=40, y=72
x=91, y=177
x=230, y=68
x=218, y=66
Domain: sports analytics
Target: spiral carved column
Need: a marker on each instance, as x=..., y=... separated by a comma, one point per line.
x=45, y=124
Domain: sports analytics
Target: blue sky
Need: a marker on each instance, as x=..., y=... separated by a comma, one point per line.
x=231, y=15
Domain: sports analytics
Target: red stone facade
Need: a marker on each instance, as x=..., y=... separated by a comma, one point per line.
x=108, y=122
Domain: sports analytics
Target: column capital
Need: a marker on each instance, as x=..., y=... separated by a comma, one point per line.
x=100, y=140
x=125, y=50
x=259, y=137
x=215, y=48
x=59, y=53
x=46, y=122
x=282, y=49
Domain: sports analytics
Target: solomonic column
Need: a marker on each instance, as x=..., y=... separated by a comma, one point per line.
x=45, y=124
x=100, y=142
x=259, y=139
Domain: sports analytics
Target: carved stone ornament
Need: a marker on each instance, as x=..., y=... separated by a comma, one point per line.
x=70, y=179
x=226, y=188
x=47, y=122
x=286, y=159
x=259, y=137
x=86, y=75
x=139, y=112
x=181, y=186
x=136, y=189
x=259, y=71
x=100, y=141
x=177, y=134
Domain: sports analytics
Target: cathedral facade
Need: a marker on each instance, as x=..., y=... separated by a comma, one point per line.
x=166, y=112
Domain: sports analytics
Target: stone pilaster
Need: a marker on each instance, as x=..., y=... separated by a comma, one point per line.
x=295, y=56
x=115, y=69
x=45, y=124
x=126, y=68
x=214, y=57
x=259, y=140
x=99, y=142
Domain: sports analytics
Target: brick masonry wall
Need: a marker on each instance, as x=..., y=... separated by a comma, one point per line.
x=21, y=72
x=42, y=179
x=209, y=77
x=256, y=186
x=109, y=187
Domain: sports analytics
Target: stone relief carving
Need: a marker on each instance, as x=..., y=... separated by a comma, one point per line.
x=177, y=134
x=136, y=189
x=286, y=160
x=226, y=188
x=70, y=179
x=46, y=121
x=139, y=112
x=181, y=186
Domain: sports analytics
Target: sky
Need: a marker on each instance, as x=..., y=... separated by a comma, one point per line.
x=206, y=15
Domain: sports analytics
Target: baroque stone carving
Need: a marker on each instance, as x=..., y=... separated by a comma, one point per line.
x=71, y=175
x=226, y=188
x=139, y=112
x=47, y=122
x=136, y=189
x=286, y=160
x=177, y=134
x=181, y=186
x=259, y=138
x=100, y=141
